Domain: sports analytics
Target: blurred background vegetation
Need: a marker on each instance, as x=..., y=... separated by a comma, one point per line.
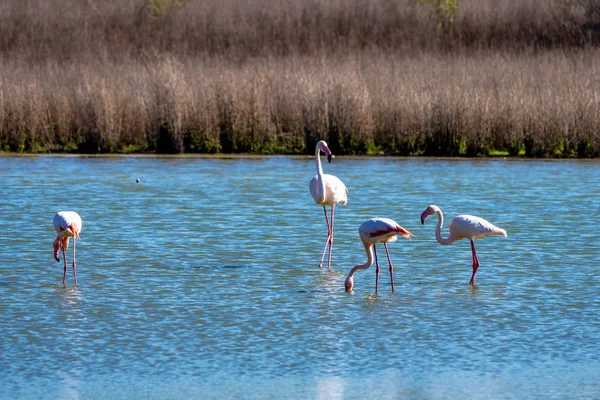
x=398, y=77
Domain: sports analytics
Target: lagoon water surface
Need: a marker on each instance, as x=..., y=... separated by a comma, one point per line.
x=202, y=281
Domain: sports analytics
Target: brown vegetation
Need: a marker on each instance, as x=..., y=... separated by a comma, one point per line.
x=381, y=76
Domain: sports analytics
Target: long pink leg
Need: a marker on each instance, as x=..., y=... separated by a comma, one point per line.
x=74, y=265
x=330, y=239
x=328, y=236
x=475, y=263
x=64, y=260
x=391, y=267
x=376, y=269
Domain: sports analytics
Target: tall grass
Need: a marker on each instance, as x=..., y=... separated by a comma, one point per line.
x=378, y=77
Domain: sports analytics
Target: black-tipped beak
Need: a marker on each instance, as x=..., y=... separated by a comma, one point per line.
x=424, y=215
x=329, y=158
x=57, y=259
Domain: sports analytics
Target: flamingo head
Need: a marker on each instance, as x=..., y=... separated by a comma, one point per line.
x=428, y=211
x=349, y=284
x=56, y=246
x=322, y=146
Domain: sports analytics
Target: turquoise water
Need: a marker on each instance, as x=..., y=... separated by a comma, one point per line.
x=202, y=281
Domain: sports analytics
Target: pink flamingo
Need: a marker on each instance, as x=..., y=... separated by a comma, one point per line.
x=463, y=227
x=373, y=231
x=327, y=190
x=67, y=224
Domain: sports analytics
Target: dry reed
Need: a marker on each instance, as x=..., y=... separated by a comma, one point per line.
x=270, y=76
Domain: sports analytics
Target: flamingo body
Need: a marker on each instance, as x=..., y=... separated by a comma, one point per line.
x=380, y=230
x=335, y=190
x=327, y=190
x=371, y=232
x=463, y=227
x=67, y=224
x=472, y=227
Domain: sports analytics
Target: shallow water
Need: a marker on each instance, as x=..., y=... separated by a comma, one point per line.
x=202, y=281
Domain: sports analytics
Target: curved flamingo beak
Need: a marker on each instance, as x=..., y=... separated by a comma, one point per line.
x=329, y=156
x=424, y=215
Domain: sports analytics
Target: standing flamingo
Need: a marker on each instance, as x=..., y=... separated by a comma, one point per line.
x=373, y=231
x=463, y=227
x=67, y=224
x=327, y=190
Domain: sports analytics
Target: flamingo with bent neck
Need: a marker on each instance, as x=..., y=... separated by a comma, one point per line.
x=463, y=227
x=327, y=190
x=371, y=232
x=67, y=224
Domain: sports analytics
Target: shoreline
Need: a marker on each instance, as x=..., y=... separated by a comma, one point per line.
x=296, y=156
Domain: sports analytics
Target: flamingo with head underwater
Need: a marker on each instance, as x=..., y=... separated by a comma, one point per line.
x=371, y=232
x=327, y=190
x=463, y=227
x=67, y=224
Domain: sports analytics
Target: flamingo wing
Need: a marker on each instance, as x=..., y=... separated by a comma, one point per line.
x=381, y=229
x=472, y=227
x=315, y=189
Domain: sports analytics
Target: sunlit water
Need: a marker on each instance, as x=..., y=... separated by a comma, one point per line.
x=202, y=281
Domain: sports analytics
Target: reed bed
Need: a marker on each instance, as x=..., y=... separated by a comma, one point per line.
x=380, y=77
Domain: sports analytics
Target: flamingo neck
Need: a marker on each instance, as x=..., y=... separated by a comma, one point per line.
x=369, y=250
x=74, y=231
x=438, y=230
x=321, y=182
x=318, y=158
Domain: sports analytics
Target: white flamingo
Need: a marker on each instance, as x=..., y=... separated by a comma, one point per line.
x=327, y=190
x=373, y=231
x=463, y=227
x=67, y=224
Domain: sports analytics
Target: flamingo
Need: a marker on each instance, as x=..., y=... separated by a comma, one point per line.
x=373, y=231
x=327, y=190
x=463, y=227
x=67, y=224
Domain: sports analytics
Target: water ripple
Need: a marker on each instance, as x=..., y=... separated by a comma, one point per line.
x=202, y=280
